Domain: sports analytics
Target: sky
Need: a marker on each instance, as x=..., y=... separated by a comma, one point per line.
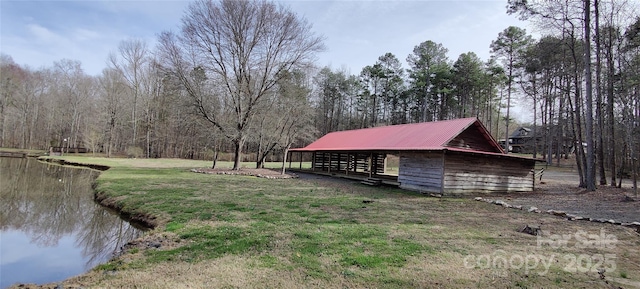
x=38, y=33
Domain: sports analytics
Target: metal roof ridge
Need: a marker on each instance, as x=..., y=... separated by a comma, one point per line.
x=409, y=124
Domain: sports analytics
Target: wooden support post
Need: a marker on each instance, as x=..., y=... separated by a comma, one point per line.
x=355, y=162
x=370, y=163
x=300, y=159
x=313, y=161
x=346, y=169
x=384, y=164
x=372, y=166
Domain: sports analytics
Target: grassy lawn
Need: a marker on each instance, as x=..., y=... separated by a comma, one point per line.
x=223, y=231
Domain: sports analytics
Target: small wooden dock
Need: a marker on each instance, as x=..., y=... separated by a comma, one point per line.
x=5, y=154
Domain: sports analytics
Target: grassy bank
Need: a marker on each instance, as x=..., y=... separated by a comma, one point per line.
x=17, y=152
x=242, y=231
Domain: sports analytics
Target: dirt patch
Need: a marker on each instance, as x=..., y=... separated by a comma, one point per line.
x=156, y=240
x=605, y=203
x=559, y=191
x=261, y=173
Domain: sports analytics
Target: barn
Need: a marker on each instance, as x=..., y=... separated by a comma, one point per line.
x=448, y=157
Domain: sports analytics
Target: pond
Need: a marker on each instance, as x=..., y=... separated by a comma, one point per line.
x=50, y=227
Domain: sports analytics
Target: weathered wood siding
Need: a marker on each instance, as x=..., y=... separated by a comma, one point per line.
x=472, y=138
x=469, y=174
x=421, y=171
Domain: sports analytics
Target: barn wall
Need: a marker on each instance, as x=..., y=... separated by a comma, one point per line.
x=421, y=171
x=470, y=174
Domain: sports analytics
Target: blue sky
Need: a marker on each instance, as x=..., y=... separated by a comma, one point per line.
x=37, y=33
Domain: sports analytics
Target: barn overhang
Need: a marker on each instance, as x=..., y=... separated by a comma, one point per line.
x=363, y=162
x=431, y=150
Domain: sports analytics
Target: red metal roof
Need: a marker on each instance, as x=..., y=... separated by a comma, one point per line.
x=417, y=136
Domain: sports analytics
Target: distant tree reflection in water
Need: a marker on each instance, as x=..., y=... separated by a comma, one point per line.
x=48, y=202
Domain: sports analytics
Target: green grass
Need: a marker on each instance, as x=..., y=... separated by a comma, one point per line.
x=322, y=230
x=208, y=243
x=250, y=211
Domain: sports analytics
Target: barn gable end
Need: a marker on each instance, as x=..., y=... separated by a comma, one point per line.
x=475, y=137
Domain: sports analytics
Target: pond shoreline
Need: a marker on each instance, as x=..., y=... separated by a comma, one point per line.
x=54, y=168
x=147, y=221
x=73, y=164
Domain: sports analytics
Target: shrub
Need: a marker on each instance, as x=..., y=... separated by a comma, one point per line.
x=134, y=152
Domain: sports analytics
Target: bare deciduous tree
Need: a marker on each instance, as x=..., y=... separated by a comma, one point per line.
x=134, y=57
x=10, y=73
x=243, y=45
x=112, y=89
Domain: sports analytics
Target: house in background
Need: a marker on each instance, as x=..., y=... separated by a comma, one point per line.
x=448, y=157
x=549, y=139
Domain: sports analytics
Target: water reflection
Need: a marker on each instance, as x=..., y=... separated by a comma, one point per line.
x=50, y=227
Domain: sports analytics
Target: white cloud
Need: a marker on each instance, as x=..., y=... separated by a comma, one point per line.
x=81, y=34
x=42, y=34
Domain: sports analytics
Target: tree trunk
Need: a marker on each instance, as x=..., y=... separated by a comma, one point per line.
x=259, y=158
x=577, y=130
x=2, y=117
x=535, y=118
x=110, y=138
x=262, y=155
x=610, y=103
x=506, y=135
x=634, y=164
x=284, y=159
x=599, y=116
x=560, y=136
x=548, y=152
x=215, y=157
x=148, y=150
x=590, y=166
x=498, y=118
x=238, y=144
x=624, y=162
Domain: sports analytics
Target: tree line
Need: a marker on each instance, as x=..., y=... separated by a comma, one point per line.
x=238, y=77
